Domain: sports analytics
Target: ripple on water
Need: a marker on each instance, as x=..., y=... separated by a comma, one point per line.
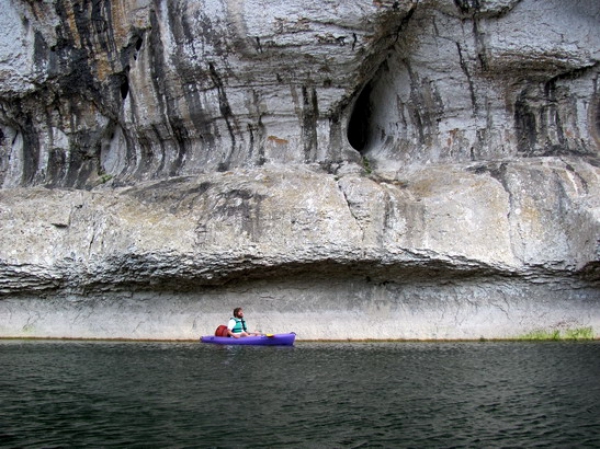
x=313, y=395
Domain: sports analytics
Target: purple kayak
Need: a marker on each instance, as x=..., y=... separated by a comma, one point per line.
x=259, y=340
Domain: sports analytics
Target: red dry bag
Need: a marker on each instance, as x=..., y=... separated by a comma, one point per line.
x=221, y=331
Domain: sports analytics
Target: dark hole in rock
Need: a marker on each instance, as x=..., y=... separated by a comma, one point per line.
x=359, y=126
x=124, y=89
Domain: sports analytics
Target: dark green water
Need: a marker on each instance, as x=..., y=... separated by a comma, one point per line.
x=438, y=395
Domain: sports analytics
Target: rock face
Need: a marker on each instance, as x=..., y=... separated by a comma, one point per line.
x=368, y=169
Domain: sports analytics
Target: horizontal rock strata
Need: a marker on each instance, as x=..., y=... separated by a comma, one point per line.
x=295, y=243
x=369, y=169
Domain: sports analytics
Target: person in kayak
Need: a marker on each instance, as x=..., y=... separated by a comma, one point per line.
x=236, y=327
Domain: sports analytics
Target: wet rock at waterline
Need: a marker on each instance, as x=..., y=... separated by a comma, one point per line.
x=370, y=169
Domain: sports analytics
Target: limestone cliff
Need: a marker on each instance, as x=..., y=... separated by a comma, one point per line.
x=344, y=169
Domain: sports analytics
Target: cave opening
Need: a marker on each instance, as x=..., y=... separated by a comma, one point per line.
x=359, y=125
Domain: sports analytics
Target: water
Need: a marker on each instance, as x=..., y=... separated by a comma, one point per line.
x=439, y=395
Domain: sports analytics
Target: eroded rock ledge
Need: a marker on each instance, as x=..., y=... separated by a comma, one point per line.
x=298, y=242
x=367, y=169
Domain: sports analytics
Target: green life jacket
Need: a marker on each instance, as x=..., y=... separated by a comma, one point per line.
x=240, y=325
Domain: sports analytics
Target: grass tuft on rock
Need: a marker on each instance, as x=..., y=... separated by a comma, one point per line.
x=580, y=333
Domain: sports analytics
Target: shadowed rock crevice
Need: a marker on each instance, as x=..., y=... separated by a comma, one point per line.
x=359, y=126
x=136, y=272
x=595, y=120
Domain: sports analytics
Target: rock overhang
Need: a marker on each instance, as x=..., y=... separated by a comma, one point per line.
x=217, y=143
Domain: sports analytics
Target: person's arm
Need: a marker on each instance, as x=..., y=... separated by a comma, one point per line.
x=247, y=332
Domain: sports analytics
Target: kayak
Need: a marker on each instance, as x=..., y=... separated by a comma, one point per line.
x=258, y=340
